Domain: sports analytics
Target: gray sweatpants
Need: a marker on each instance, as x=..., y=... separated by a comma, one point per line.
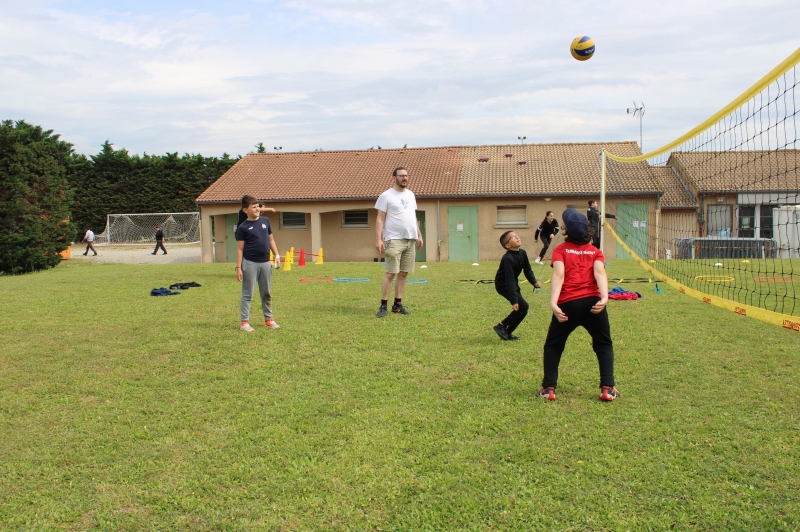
x=253, y=272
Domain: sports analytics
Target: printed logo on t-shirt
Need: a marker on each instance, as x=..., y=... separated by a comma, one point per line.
x=579, y=252
x=404, y=203
x=264, y=226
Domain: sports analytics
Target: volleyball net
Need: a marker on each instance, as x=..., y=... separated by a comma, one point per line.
x=723, y=222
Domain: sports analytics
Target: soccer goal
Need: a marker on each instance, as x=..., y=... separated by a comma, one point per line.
x=130, y=229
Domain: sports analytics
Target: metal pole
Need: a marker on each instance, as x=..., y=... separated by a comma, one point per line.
x=602, y=220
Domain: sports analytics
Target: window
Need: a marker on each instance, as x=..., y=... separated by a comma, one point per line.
x=355, y=219
x=765, y=220
x=719, y=220
x=293, y=220
x=747, y=221
x=512, y=216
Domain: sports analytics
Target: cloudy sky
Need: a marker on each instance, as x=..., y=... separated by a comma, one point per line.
x=213, y=77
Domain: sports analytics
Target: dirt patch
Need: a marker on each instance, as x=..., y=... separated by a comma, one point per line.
x=176, y=254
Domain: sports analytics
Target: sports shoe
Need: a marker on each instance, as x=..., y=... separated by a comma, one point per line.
x=538, y=260
x=548, y=392
x=500, y=329
x=272, y=324
x=608, y=393
x=246, y=327
x=512, y=337
x=400, y=309
x=382, y=312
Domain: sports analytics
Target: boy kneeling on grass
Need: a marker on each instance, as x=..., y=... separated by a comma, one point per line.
x=578, y=298
x=253, y=242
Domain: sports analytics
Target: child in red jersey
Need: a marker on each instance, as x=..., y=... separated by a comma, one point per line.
x=578, y=298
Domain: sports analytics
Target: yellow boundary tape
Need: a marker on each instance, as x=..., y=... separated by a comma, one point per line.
x=774, y=74
x=783, y=320
x=714, y=279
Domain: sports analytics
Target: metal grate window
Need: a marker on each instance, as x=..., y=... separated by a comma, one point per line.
x=355, y=219
x=512, y=215
x=293, y=220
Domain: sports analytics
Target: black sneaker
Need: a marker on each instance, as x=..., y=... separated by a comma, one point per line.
x=608, y=393
x=548, y=393
x=400, y=309
x=500, y=329
x=512, y=337
x=381, y=312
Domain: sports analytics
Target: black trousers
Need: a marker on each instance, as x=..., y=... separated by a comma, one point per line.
x=578, y=312
x=512, y=321
x=90, y=245
x=546, y=242
x=159, y=244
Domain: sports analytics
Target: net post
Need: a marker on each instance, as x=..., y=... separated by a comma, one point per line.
x=602, y=220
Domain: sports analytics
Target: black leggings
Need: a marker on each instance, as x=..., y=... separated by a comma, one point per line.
x=513, y=320
x=578, y=312
x=546, y=242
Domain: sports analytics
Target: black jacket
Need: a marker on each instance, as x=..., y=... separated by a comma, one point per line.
x=546, y=229
x=594, y=217
x=512, y=263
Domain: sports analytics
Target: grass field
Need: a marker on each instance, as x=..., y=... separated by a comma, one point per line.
x=121, y=411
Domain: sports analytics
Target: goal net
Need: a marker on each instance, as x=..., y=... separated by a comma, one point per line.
x=178, y=228
x=723, y=224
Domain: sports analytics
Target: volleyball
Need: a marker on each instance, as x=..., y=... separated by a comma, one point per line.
x=582, y=48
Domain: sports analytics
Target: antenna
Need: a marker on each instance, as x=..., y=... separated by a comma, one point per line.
x=522, y=140
x=277, y=148
x=638, y=109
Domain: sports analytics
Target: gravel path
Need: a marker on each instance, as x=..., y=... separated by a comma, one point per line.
x=176, y=254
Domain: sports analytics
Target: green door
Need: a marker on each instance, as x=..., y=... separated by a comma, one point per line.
x=462, y=234
x=632, y=228
x=421, y=257
x=230, y=236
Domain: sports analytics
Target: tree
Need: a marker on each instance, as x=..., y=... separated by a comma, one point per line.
x=34, y=198
x=261, y=148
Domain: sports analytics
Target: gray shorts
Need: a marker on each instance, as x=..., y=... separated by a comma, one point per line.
x=400, y=255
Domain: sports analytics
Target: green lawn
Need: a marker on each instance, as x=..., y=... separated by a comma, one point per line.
x=121, y=411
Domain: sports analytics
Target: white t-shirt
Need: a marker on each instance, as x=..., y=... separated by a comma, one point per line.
x=89, y=236
x=401, y=214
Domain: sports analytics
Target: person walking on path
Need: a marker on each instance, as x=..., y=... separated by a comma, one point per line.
x=578, y=298
x=398, y=236
x=506, y=282
x=89, y=239
x=159, y=241
x=547, y=230
x=254, y=241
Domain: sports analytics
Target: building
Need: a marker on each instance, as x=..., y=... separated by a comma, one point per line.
x=467, y=197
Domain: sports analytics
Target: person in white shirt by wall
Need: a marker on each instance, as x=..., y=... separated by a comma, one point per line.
x=89, y=239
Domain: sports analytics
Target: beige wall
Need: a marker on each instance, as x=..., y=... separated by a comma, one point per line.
x=341, y=244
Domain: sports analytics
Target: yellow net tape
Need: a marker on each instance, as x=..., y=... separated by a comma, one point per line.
x=783, y=320
x=760, y=85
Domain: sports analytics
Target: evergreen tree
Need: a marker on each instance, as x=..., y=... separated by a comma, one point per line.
x=34, y=198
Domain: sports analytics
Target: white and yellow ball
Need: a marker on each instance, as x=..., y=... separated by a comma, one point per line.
x=582, y=48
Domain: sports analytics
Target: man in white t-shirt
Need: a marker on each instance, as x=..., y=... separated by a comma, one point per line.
x=89, y=239
x=398, y=236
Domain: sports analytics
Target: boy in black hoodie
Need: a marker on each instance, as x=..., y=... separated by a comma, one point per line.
x=505, y=282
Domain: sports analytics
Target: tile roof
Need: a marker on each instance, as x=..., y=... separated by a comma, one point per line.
x=675, y=193
x=532, y=169
x=751, y=171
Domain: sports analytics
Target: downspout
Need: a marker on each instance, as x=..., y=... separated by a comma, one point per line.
x=438, y=238
x=658, y=225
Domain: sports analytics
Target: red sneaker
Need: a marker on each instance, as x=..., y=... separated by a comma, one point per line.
x=608, y=393
x=272, y=324
x=548, y=393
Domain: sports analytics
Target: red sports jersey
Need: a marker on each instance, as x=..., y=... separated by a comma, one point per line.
x=579, y=281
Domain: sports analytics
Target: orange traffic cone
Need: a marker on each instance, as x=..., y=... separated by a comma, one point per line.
x=302, y=260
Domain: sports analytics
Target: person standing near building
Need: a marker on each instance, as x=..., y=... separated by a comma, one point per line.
x=89, y=239
x=593, y=216
x=159, y=241
x=546, y=231
x=398, y=236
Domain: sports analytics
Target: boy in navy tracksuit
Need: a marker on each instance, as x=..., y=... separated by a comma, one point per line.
x=253, y=243
x=505, y=282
